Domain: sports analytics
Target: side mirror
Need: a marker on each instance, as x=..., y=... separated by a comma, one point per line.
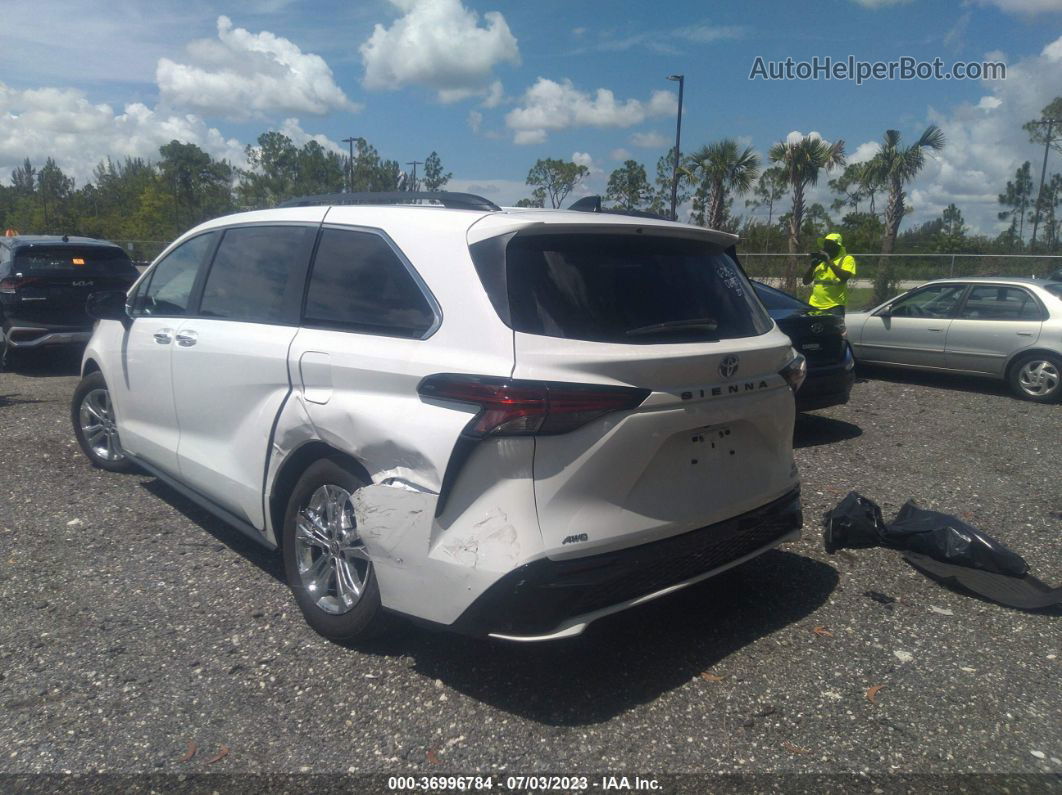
x=885, y=312
x=107, y=305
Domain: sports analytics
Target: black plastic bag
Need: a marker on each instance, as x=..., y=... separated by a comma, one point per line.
x=1024, y=593
x=856, y=523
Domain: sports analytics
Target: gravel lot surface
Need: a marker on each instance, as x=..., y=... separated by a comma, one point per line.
x=133, y=624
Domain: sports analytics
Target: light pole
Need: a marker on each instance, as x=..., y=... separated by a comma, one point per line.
x=414, y=163
x=678, y=140
x=350, y=164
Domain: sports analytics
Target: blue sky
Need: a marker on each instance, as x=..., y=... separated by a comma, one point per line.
x=494, y=85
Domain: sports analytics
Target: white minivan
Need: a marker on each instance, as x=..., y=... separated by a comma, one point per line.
x=505, y=422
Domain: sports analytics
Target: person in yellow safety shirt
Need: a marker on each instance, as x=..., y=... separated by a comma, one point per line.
x=830, y=270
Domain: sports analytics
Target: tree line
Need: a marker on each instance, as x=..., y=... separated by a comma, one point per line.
x=140, y=200
x=870, y=198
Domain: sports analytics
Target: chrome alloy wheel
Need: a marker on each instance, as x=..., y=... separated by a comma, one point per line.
x=1038, y=377
x=98, y=427
x=332, y=561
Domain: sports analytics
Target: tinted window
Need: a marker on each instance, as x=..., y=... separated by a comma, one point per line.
x=627, y=289
x=107, y=260
x=1054, y=289
x=171, y=281
x=257, y=274
x=776, y=299
x=989, y=302
x=938, y=300
x=358, y=282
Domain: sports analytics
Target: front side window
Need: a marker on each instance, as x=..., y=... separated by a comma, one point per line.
x=169, y=289
x=359, y=283
x=257, y=274
x=989, y=302
x=935, y=301
x=628, y=289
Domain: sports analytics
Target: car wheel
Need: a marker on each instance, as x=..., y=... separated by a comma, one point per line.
x=1037, y=377
x=326, y=563
x=95, y=425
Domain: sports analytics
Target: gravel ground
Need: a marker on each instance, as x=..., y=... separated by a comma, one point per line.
x=132, y=625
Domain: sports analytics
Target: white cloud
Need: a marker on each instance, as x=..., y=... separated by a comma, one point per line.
x=293, y=130
x=667, y=41
x=864, y=152
x=241, y=75
x=549, y=106
x=62, y=123
x=985, y=143
x=650, y=140
x=880, y=3
x=620, y=154
x=475, y=120
x=495, y=95
x=1027, y=7
x=440, y=44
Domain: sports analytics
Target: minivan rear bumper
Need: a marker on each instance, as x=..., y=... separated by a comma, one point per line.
x=549, y=599
x=36, y=336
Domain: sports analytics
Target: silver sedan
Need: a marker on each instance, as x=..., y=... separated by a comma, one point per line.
x=998, y=327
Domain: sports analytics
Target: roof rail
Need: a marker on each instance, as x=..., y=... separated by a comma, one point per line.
x=455, y=201
x=592, y=204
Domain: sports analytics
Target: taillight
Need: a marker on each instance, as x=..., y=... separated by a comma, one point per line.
x=11, y=284
x=795, y=372
x=510, y=407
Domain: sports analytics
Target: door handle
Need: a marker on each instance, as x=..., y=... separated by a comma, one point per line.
x=186, y=339
x=163, y=336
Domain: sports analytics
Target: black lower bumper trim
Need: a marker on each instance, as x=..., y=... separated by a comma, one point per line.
x=539, y=596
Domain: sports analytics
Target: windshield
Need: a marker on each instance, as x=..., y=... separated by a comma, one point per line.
x=621, y=288
x=109, y=260
x=1054, y=289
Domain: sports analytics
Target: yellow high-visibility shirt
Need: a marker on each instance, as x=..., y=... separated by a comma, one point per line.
x=828, y=289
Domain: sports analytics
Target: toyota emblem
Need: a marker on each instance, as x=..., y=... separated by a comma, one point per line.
x=816, y=328
x=729, y=366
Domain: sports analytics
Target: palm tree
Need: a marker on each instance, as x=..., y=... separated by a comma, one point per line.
x=802, y=159
x=722, y=168
x=894, y=166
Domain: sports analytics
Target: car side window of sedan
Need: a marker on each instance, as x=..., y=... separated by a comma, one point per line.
x=998, y=302
x=937, y=300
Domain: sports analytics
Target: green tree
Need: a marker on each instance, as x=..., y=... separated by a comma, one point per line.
x=538, y=199
x=557, y=178
x=1018, y=197
x=720, y=169
x=861, y=231
x=660, y=201
x=24, y=178
x=370, y=172
x=435, y=178
x=628, y=187
x=770, y=187
x=802, y=160
x=952, y=235
x=201, y=186
x=854, y=186
x=894, y=166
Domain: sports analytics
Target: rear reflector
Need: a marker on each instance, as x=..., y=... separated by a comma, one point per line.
x=510, y=407
x=11, y=284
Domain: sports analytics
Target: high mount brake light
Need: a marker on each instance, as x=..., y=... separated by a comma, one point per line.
x=510, y=407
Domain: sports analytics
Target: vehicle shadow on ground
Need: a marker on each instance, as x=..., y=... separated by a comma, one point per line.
x=956, y=383
x=812, y=430
x=255, y=553
x=14, y=399
x=45, y=363
x=630, y=658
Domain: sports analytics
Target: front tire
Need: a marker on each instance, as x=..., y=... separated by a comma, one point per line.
x=327, y=566
x=96, y=426
x=1037, y=377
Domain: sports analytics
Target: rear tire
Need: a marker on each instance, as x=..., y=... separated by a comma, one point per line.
x=96, y=426
x=326, y=564
x=1037, y=377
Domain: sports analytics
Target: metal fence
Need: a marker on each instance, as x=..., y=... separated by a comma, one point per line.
x=915, y=268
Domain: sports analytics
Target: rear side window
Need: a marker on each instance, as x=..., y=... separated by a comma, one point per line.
x=257, y=274
x=98, y=260
x=991, y=302
x=359, y=283
x=776, y=299
x=628, y=289
x=1054, y=289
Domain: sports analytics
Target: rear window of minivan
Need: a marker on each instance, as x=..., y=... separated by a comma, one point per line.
x=106, y=260
x=628, y=289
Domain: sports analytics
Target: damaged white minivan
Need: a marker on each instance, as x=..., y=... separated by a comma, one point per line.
x=505, y=422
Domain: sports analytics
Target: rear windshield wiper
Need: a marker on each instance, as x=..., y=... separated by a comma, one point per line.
x=706, y=323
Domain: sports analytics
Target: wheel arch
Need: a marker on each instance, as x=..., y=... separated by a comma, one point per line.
x=90, y=365
x=1025, y=354
x=293, y=467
